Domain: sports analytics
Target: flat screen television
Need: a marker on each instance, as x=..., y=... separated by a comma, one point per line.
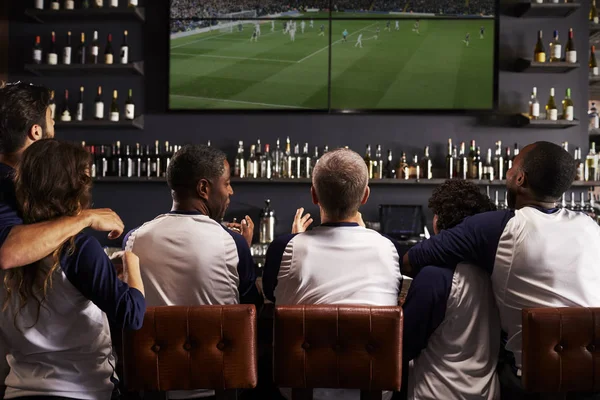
x=333, y=55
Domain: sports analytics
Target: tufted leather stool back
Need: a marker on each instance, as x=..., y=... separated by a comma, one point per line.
x=337, y=346
x=188, y=348
x=561, y=350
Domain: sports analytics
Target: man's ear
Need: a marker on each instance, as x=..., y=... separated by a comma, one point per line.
x=366, y=195
x=203, y=189
x=521, y=178
x=35, y=133
x=313, y=194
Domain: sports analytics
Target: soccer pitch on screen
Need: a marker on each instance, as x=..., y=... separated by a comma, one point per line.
x=426, y=65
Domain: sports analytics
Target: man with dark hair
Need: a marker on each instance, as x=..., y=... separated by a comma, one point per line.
x=451, y=323
x=186, y=256
x=25, y=117
x=537, y=255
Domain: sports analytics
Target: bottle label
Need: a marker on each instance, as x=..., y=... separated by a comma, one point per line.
x=99, y=3
x=95, y=50
x=114, y=3
x=535, y=110
x=39, y=4
x=114, y=116
x=557, y=51
x=569, y=113
x=65, y=116
x=52, y=58
x=69, y=4
x=79, y=115
x=571, y=56
x=99, y=114
x=67, y=55
x=130, y=111
x=124, y=55
x=595, y=71
x=553, y=114
x=108, y=58
x=133, y=3
x=52, y=110
x=540, y=57
x=37, y=56
x=55, y=5
x=596, y=20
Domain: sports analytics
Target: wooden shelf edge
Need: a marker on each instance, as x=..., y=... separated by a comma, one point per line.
x=544, y=10
x=136, y=68
x=526, y=122
x=137, y=123
x=41, y=16
x=528, y=65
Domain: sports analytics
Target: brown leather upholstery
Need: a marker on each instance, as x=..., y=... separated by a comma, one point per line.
x=561, y=350
x=329, y=346
x=186, y=348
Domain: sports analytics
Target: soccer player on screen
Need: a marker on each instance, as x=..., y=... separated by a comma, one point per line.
x=240, y=27
x=254, y=37
x=322, y=33
x=481, y=32
x=377, y=33
x=293, y=34
x=467, y=37
x=272, y=25
x=345, y=35
x=359, y=41
x=312, y=24
x=302, y=25
x=257, y=28
x=397, y=25
x=388, y=27
x=416, y=27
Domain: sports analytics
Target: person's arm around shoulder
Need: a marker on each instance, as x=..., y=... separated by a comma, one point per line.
x=26, y=244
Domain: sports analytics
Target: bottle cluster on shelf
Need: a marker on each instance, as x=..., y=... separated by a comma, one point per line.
x=72, y=5
x=114, y=114
x=556, y=53
x=593, y=15
x=83, y=54
x=551, y=111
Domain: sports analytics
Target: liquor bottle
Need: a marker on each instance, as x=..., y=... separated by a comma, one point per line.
x=146, y=162
x=69, y=4
x=79, y=113
x=108, y=51
x=52, y=105
x=133, y=3
x=449, y=161
x=478, y=164
x=456, y=161
x=277, y=160
x=65, y=114
x=39, y=4
x=593, y=62
x=266, y=163
x=287, y=170
x=98, y=3
x=555, y=49
x=463, y=162
x=570, y=52
x=114, y=108
x=95, y=49
x=414, y=170
x=155, y=160
x=37, y=51
x=403, y=171
x=471, y=161
x=498, y=162
x=496, y=200
x=539, y=53
x=124, y=49
x=593, y=13
x=99, y=105
x=114, y=3
x=85, y=4
x=534, y=105
x=325, y=149
x=488, y=167
x=580, y=176
x=426, y=165
x=53, y=54
x=55, y=5
x=165, y=158
x=252, y=163
x=129, y=106
x=115, y=165
x=551, y=110
x=81, y=50
x=368, y=161
x=67, y=50
x=297, y=162
x=378, y=164
x=591, y=162
x=389, y=171
x=567, y=105
x=306, y=162
x=508, y=161
x=315, y=159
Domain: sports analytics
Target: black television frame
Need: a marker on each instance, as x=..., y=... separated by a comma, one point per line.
x=329, y=110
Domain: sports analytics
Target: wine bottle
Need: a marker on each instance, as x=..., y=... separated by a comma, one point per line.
x=114, y=108
x=368, y=161
x=69, y=4
x=81, y=50
x=108, y=51
x=570, y=53
x=54, y=5
x=39, y=4
x=478, y=164
x=67, y=50
x=593, y=13
x=85, y=4
x=52, y=54
x=471, y=161
x=133, y=3
x=449, y=161
x=539, y=54
x=551, y=110
x=95, y=48
x=65, y=114
x=555, y=49
x=114, y=3
x=79, y=113
x=426, y=170
x=567, y=104
x=534, y=108
x=52, y=105
x=593, y=62
x=37, y=51
x=125, y=49
x=99, y=105
x=129, y=106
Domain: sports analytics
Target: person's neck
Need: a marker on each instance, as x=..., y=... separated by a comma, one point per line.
x=520, y=203
x=11, y=159
x=325, y=219
x=190, y=206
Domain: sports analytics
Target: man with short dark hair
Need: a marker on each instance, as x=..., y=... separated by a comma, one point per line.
x=186, y=256
x=25, y=117
x=537, y=255
x=451, y=322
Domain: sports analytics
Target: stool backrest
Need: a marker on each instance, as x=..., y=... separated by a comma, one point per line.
x=188, y=348
x=337, y=346
x=561, y=350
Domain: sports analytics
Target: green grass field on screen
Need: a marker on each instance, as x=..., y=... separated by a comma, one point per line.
x=399, y=70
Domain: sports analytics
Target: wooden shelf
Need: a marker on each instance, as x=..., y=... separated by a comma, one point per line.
x=527, y=65
x=137, y=123
x=87, y=14
x=594, y=28
x=526, y=122
x=545, y=10
x=134, y=68
x=594, y=80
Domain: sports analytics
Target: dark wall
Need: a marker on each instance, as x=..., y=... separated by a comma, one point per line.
x=139, y=202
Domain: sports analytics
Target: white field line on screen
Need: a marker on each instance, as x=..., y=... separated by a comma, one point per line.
x=239, y=101
x=234, y=58
x=210, y=37
x=336, y=42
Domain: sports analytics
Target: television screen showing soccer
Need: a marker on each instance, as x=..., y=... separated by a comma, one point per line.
x=332, y=55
